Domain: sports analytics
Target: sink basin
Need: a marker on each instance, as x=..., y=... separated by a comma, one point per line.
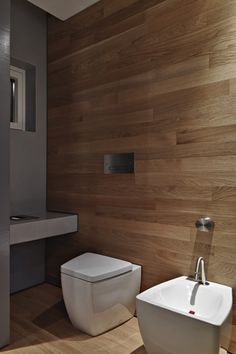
x=182, y=295
x=22, y=217
x=181, y=316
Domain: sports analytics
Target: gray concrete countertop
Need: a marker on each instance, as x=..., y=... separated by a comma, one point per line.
x=45, y=224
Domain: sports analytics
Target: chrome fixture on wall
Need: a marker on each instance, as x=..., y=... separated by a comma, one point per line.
x=205, y=224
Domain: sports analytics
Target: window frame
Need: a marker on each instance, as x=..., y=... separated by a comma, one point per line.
x=19, y=75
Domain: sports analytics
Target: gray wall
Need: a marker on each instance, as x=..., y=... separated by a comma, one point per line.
x=28, y=149
x=4, y=169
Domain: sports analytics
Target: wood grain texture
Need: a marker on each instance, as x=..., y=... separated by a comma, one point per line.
x=40, y=325
x=157, y=78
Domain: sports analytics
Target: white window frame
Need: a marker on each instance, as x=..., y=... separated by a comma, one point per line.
x=19, y=75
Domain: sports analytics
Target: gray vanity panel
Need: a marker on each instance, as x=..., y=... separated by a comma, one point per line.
x=27, y=265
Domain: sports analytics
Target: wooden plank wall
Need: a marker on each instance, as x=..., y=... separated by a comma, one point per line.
x=157, y=78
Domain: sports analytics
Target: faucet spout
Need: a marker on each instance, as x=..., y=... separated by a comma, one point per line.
x=200, y=276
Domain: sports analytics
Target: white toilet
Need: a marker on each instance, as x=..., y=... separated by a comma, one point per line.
x=99, y=291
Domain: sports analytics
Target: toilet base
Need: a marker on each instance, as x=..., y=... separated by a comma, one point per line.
x=95, y=308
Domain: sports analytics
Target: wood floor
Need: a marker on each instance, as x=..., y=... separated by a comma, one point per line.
x=39, y=325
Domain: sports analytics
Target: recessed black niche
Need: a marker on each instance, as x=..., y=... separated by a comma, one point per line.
x=119, y=163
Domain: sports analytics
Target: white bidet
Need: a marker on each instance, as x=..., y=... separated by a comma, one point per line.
x=182, y=316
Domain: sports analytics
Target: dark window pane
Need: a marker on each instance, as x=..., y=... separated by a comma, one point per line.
x=13, y=99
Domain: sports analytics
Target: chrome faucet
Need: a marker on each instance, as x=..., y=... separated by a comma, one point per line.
x=200, y=277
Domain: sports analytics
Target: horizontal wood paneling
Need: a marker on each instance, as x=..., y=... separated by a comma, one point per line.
x=157, y=78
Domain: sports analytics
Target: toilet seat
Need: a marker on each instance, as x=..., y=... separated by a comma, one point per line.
x=94, y=267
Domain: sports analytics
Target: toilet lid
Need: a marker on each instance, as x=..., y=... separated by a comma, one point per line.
x=94, y=267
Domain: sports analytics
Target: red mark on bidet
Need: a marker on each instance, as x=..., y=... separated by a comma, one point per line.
x=192, y=312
